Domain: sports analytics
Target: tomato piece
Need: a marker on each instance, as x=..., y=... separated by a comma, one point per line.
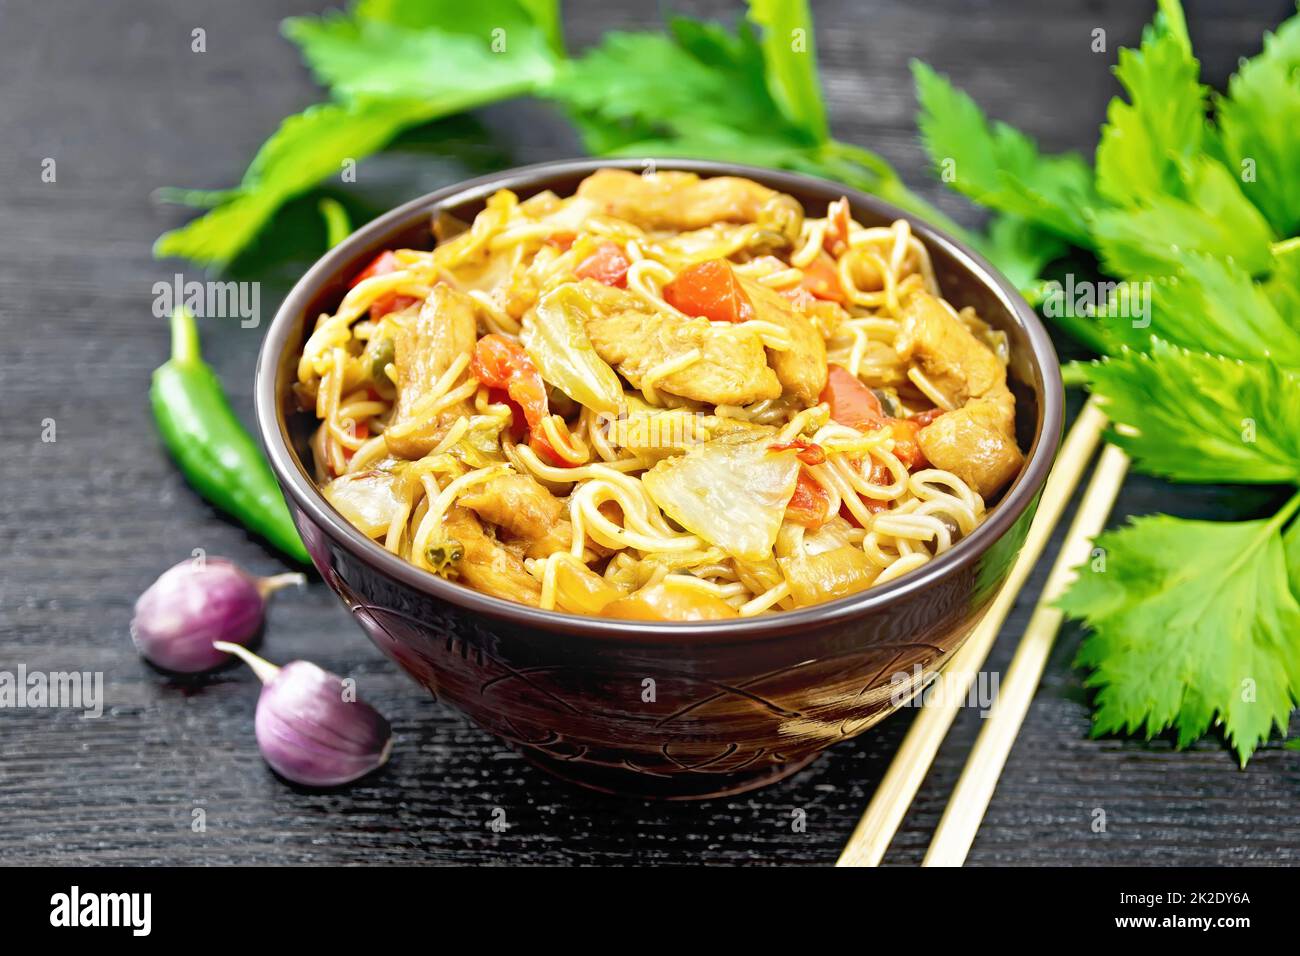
x=380, y=265
x=500, y=362
x=821, y=279
x=857, y=406
x=561, y=240
x=511, y=377
x=880, y=475
x=392, y=302
x=906, y=447
x=710, y=290
x=361, y=431
x=810, y=453
x=871, y=504
x=851, y=402
x=518, y=424
x=542, y=446
x=808, y=504
x=837, y=225
x=607, y=265
x=926, y=417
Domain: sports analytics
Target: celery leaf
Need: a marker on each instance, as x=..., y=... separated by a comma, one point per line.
x=1194, y=625
x=1000, y=167
x=1189, y=416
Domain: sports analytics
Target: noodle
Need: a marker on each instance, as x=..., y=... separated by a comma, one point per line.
x=518, y=453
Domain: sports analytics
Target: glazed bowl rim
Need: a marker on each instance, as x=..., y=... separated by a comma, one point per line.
x=298, y=485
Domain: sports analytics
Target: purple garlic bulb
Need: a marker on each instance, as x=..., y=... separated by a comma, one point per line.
x=310, y=728
x=196, y=603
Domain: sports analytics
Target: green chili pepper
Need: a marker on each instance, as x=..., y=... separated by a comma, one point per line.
x=212, y=448
x=337, y=224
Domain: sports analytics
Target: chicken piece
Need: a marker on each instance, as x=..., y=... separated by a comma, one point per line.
x=684, y=201
x=732, y=368
x=518, y=503
x=531, y=516
x=974, y=444
x=425, y=346
x=1001, y=412
x=802, y=368
x=485, y=564
x=948, y=354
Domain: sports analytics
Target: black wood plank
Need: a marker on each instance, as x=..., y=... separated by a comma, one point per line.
x=112, y=92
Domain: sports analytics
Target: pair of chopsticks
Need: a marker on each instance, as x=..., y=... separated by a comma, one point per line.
x=970, y=798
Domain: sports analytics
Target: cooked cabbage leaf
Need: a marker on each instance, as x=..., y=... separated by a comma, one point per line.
x=731, y=495
x=556, y=340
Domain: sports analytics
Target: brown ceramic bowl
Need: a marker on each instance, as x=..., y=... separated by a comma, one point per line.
x=662, y=709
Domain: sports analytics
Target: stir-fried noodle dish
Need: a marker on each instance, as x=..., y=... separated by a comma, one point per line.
x=665, y=397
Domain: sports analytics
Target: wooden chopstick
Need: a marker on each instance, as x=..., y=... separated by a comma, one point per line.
x=898, y=787
x=970, y=798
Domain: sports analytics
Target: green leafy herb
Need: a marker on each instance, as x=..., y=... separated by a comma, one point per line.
x=998, y=166
x=1215, y=218
x=337, y=224
x=304, y=150
x=1145, y=140
x=1258, y=120
x=1190, y=416
x=393, y=64
x=1201, y=383
x=1020, y=248
x=496, y=52
x=704, y=91
x=1191, y=643
x=1213, y=305
x=1283, y=284
x=791, y=61
x=700, y=90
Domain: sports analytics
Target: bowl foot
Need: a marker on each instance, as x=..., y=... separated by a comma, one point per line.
x=623, y=782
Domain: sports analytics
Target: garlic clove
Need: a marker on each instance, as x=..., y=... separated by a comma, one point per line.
x=308, y=729
x=196, y=603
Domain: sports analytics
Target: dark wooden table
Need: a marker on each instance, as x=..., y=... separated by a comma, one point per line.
x=112, y=92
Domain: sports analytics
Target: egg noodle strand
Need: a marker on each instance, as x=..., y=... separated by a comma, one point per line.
x=619, y=539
